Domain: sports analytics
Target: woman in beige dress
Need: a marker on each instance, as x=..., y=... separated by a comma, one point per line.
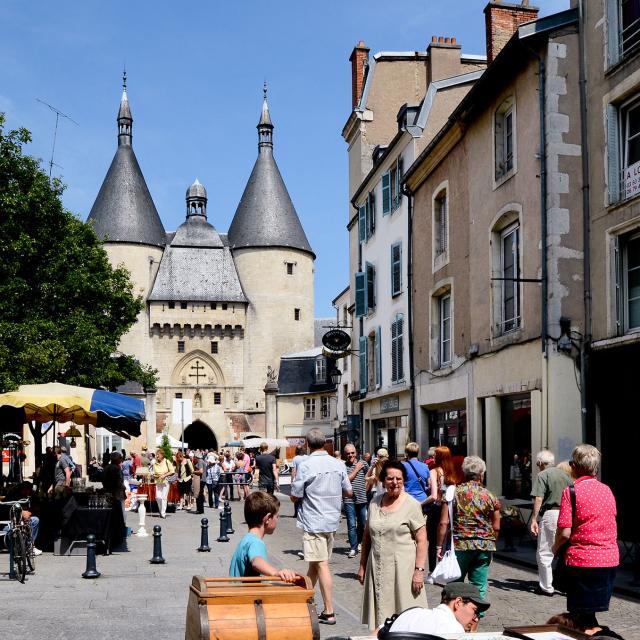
x=394, y=550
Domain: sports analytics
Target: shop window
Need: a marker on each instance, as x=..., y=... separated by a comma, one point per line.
x=448, y=428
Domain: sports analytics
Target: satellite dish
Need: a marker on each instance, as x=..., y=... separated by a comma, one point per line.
x=336, y=340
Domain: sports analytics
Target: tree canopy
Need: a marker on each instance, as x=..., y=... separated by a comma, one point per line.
x=63, y=307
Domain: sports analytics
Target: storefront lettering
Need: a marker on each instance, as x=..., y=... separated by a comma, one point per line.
x=392, y=403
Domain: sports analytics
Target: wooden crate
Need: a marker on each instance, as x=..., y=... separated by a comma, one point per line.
x=261, y=608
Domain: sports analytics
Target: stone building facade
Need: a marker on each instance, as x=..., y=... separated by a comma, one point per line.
x=495, y=311
x=219, y=308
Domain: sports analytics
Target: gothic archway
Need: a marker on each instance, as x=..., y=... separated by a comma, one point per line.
x=198, y=435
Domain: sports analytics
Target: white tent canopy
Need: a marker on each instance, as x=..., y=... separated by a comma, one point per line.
x=272, y=443
x=174, y=443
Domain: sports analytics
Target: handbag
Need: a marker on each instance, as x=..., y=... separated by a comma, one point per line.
x=448, y=569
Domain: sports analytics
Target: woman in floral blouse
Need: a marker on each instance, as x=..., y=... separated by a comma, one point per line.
x=476, y=523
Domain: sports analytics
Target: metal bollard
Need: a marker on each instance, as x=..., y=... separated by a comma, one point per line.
x=91, y=571
x=157, y=546
x=204, y=536
x=223, y=537
x=227, y=513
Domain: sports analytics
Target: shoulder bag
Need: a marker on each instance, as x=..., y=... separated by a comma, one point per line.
x=448, y=569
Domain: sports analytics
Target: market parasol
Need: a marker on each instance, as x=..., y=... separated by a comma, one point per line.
x=80, y=405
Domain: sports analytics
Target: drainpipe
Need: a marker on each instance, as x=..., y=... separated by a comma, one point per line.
x=585, y=347
x=414, y=424
x=543, y=235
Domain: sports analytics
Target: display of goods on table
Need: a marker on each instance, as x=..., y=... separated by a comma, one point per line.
x=264, y=608
x=150, y=491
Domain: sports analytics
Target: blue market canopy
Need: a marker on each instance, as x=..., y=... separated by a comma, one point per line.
x=80, y=405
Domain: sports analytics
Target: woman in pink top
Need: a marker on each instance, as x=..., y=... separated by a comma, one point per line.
x=592, y=555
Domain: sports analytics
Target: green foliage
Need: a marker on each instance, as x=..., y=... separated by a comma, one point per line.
x=63, y=307
x=166, y=447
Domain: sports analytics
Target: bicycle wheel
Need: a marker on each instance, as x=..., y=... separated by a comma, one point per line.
x=18, y=553
x=28, y=550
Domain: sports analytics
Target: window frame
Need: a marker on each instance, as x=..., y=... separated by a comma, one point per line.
x=325, y=407
x=309, y=408
x=370, y=282
x=504, y=233
x=623, y=315
x=321, y=370
x=505, y=159
x=396, y=269
x=181, y=346
x=442, y=342
x=214, y=346
x=397, y=349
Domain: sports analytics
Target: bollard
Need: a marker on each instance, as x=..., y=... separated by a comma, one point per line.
x=157, y=546
x=223, y=537
x=227, y=513
x=91, y=571
x=204, y=536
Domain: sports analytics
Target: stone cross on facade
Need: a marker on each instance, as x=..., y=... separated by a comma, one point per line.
x=197, y=375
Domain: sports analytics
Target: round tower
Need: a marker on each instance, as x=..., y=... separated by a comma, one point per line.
x=125, y=217
x=276, y=267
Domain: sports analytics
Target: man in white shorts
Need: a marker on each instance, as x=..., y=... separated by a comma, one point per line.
x=319, y=486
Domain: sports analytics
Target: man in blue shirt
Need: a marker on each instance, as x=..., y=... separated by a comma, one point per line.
x=417, y=484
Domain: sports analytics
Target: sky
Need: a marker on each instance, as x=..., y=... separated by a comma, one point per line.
x=195, y=75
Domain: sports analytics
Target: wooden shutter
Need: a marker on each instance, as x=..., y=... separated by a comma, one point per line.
x=399, y=347
x=371, y=207
x=362, y=360
x=396, y=269
x=613, y=32
x=613, y=152
x=362, y=223
x=361, y=294
x=398, y=182
x=386, y=193
x=371, y=287
x=378, y=357
x=394, y=351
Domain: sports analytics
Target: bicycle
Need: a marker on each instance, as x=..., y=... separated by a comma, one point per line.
x=19, y=541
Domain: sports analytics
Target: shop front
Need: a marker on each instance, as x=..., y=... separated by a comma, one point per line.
x=390, y=424
x=448, y=428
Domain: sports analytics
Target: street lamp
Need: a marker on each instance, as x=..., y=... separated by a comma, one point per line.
x=335, y=375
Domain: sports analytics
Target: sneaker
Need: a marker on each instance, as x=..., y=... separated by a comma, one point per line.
x=37, y=552
x=359, y=547
x=539, y=591
x=300, y=555
x=327, y=618
x=352, y=553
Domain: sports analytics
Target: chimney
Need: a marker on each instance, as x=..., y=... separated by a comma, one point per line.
x=359, y=60
x=502, y=20
x=444, y=58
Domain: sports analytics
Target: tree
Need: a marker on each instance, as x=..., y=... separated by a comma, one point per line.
x=165, y=446
x=63, y=307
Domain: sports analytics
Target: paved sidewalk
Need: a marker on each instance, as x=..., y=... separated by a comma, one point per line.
x=133, y=597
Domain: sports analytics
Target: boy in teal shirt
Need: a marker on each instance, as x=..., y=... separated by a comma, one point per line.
x=250, y=556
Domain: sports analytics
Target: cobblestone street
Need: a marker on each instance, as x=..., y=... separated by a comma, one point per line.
x=135, y=597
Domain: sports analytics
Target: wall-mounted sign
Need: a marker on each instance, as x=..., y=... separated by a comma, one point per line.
x=392, y=403
x=632, y=180
x=336, y=340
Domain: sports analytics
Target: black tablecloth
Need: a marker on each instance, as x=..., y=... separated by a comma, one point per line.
x=106, y=524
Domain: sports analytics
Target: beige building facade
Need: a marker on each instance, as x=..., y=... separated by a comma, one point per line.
x=497, y=242
x=400, y=100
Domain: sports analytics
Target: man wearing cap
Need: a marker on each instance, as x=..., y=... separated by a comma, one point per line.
x=458, y=612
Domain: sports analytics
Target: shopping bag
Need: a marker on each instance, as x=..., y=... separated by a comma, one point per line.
x=448, y=569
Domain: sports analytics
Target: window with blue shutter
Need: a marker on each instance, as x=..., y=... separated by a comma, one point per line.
x=361, y=294
x=396, y=268
x=398, y=189
x=362, y=223
x=370, y=215
x=362, y=361
x=386, y=193
x=378, y=358
x=397, y=363
x=371, y=286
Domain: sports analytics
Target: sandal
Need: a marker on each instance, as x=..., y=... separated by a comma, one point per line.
x=327, y=618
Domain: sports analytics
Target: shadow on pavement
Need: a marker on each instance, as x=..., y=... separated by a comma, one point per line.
x=511, y=584
x=349, y=575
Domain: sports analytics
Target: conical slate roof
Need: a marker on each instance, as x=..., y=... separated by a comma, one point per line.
x=266, y=216
x=124, y=210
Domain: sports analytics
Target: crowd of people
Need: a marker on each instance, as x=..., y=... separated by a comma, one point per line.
x=403, y=515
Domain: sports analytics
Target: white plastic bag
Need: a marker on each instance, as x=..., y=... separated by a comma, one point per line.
x=448, y=569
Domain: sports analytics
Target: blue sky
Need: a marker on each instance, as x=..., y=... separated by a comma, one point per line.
x=195, y=86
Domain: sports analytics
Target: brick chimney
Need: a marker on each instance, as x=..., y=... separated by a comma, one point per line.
x=359, y=59
x=444, y=58
x=502, y=20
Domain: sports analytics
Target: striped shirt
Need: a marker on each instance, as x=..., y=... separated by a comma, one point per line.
x=358, y=483
x=320, y=481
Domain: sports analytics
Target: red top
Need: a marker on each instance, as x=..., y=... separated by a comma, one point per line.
x=594, y=535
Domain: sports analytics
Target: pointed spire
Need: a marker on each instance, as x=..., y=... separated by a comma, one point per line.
x=265, y=126
x=125, y=120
